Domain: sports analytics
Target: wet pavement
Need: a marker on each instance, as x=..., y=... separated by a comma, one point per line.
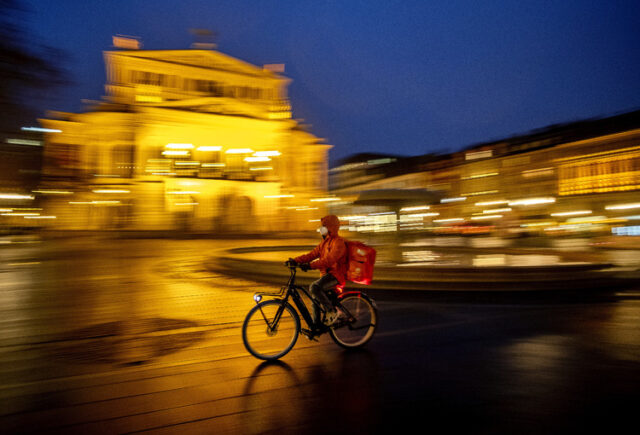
x=119, y=336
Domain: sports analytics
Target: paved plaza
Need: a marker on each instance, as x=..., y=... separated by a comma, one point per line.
x=102, y=335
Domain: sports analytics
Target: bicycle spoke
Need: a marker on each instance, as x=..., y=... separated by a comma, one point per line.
x=356, y=332
x=273, y=332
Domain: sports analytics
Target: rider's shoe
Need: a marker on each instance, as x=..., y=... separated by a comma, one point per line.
x=332, y=317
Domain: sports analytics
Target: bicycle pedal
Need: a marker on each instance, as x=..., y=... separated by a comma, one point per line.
x=309, y=334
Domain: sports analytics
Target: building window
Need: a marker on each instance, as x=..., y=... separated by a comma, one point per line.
x=617, y=173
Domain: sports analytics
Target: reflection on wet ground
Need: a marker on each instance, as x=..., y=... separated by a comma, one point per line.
x=103, y=336
x=128, y=342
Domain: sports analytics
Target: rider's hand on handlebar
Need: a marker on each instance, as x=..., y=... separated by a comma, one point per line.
x=291, y=263
x=305, y=267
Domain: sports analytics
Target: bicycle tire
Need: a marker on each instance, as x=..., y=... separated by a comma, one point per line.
x=357, y=333
x=264, y=342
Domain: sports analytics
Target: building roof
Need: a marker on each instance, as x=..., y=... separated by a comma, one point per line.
x=206, y=59
x=557, y=134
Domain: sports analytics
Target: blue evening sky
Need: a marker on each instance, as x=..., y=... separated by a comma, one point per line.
x=400, y=77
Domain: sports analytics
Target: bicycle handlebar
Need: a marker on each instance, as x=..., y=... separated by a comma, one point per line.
x=293, y=264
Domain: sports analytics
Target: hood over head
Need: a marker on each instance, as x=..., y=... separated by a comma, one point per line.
x=332, y=223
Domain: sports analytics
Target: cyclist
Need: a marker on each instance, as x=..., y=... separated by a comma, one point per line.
x=330, y=257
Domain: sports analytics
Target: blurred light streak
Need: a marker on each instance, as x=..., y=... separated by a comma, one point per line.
x=41, y=130
x=15, y=141
x=209, y=148
x=537, y=224
x=14, y=196
x=93, y=202
x=455, y=199
x=239, y=151
x=179, y=146
x=571, y=213
x=262, y=168
x=497, y=210
x=532, y=201
x=480, y=192
x=417, y=208
x=257, y=159
x=488, y=174
x=53, y=192
x=175, y=153
x=267, y=153
x=421, y=215
x=351, y=218
x=537, y=172
x=328, y=199
x=590, y=219
x=448, y=220
x=111, y=191
x=623, y=206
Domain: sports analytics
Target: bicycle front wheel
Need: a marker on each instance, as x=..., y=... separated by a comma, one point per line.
x=361, y=322
x=270, y=329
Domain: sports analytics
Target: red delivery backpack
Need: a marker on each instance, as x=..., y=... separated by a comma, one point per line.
x=360, y=261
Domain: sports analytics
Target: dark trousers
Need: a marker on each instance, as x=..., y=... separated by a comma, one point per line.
x=319, y=288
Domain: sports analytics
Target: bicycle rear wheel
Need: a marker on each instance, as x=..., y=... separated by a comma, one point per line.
x=358, y=328
x=270, y=329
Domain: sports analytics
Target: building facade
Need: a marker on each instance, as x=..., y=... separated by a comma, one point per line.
x=183, y=140
x=579, y=178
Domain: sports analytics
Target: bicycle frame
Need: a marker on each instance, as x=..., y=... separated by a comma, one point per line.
x=351, y=315
x=293, y=291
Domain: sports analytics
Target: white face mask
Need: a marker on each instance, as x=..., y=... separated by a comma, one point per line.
x=323, y=231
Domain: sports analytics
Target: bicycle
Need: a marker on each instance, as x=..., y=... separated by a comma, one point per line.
x=271, y=328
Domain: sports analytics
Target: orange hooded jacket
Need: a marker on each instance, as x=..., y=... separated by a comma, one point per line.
x=331, y=254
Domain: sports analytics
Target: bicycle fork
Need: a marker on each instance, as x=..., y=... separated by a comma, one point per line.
x=273, y=326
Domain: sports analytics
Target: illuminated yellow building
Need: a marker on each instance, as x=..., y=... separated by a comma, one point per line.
x=576, y=178
x=184, y=139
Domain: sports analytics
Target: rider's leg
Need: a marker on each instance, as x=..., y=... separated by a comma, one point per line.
x=320, y=288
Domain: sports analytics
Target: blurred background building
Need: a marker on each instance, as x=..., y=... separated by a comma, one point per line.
x=198, y=141
x=184, y=140
x=580, y=178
